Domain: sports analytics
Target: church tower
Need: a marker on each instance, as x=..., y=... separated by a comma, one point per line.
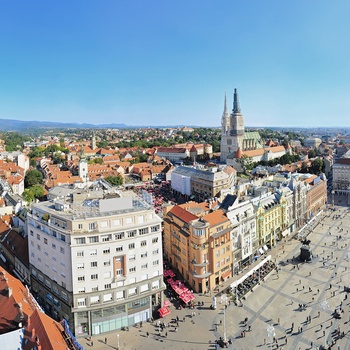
x=93, y=140
x=232, y=129
x=225, y=120
x=237, y=119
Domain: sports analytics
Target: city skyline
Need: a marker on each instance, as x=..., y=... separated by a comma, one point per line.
x=170, y=64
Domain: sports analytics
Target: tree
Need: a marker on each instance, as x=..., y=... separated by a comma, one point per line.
x=316, y=165
x=304, y=168
x=312, y=153
x=37, y=191
x=115, y=180
x=28, y=195
x=246, y=163
x=33, y=177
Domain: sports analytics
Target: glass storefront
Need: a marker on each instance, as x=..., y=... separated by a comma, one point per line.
x=113, y=318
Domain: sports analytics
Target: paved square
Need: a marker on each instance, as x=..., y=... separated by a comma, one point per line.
x=302, y=295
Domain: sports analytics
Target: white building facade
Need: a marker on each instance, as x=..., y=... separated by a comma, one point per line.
x=96, y=261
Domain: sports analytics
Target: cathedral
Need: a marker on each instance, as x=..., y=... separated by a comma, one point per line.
x=236, y=142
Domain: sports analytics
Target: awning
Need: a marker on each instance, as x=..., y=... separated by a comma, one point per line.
x=226, y=274
x=164, y=311
x=166, y=303
x=187, y=297
x=261, y=251
x=266, y=249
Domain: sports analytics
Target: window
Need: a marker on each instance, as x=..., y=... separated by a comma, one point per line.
x=107, y=274
x=106, y=251
x=116, y=222
x=156, y=262
x=46, y=254
x=63, y=274
x=106, y=238
x=143, y=231
x=199, y=232
x=80, y=226
x=119, y=249
x=53, y=258
x=92, y=226
x=131, y=233
x=93, y=263
x=93, y=239
x=38, y=247
x=63, y=238
x=81, y=278
x=80, y=266
x=155, y=240
x=54, y=233
x=132, y=269
x=107, y=263
x=94, y=276
x=81, y=302
x=144, y=266
x=80, y=253
x=53, y=246
x=144, y=255
x=154, y=228
x=143, y=243
x=93, y=252
x=108, y=286
x=64, y=294
x=119, y=235
x=156, y=251
x=45, y=240
x=81, y=290
x=31, y=232
x=62, y=250
x=38, y=236
x=132, y=257
x=119, y=272
x=94, y=289
x=132, y=246
x=39, y=259
x=80, y=240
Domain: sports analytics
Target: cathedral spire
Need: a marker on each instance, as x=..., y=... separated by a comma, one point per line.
x=225, y=106
x=236, y=108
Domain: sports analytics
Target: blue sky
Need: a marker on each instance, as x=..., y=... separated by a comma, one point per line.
x=170, y=62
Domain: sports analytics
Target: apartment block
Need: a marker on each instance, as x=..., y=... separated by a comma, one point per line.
x=95, y=258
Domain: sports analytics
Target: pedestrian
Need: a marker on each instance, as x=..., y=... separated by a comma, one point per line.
x=105, y=340
x=147, y=335
x=249, y=328
x=92, y=343
x=264, y=341
x=166, y=334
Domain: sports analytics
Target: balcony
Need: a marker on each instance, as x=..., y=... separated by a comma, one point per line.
x=202, y=264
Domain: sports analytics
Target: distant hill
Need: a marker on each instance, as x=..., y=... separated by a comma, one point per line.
x=21, y=125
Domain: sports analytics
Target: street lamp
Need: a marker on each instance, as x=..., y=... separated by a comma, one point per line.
x=270, y=330
x=224, y=300
x=324, y=304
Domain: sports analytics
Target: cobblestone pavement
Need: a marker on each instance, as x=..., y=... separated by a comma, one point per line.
x=272, y=308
